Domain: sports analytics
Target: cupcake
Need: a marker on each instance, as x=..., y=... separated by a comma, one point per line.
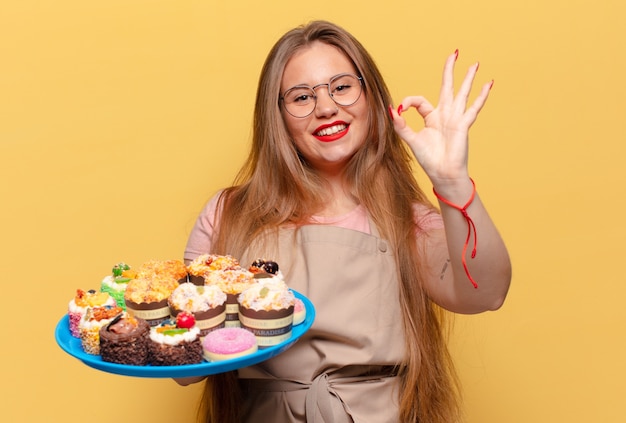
x=125, y=340
x=175, y=342
x=266, y=309
x=299, y=312
x=163, y=269
x=91, y=323
x=232, y=282
x=206, y=263
x=115, y=284
x=206, y=303
x=78, y=306
x=147, y=298
x=227, y=343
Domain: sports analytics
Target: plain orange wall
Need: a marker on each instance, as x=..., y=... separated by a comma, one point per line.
x=118, y=119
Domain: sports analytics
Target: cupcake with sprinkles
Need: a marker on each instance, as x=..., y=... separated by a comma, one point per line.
x=115, y=284
x=232, y=282
x=147, y=298
x=83, y=300
x=207, y=303
x=266, y=309
x=163, y=269
x=91, y=323
x=204, y=264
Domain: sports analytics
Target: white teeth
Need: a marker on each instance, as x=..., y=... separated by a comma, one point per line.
x=331, y=130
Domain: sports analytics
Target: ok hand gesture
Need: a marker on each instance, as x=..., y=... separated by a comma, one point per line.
x=441, y=146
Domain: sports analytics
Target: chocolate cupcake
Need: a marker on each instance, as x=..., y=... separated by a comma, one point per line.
x=175, y=342
x=125, y=340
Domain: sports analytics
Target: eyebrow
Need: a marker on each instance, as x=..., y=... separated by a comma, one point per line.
x=323, y=83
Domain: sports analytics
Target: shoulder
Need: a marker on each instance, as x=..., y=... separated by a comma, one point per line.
x=199, y=241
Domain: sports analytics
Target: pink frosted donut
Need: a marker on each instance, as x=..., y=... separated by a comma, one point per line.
x=225, y=343
x=299, y=312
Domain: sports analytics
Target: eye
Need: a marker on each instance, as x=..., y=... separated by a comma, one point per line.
x=343, y=84
x=302, y=98
x=341, y=88
x=299, y=96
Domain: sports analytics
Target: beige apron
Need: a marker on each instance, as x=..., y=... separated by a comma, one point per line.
x=342, y=369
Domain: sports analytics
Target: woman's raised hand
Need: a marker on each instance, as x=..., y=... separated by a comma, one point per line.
x=441, y=146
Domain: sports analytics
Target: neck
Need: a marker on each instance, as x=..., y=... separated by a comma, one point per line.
x=340, y=200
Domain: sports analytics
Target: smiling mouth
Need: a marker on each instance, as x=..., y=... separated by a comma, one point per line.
x=331, y=130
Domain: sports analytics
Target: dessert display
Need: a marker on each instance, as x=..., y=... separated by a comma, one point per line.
x=227, y=343
x=83, y=300
x=90, y=325
x=170, y=323
x=207, y=304
x=175, y=342
x=266, y=309
x=115, y=284
x=125, y=340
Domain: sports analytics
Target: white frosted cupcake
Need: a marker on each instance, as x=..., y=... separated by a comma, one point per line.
x=266, y=309
x=175, y=343
x=207, y=303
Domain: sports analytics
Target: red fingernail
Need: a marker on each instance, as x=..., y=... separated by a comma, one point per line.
x=400, y=109
x=491, y=85
x=477, y=66
x=456, y=54
x=391, y=112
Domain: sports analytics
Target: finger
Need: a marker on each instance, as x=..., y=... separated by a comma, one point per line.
x=423, y=106
x=466, y=87
x=446, y=95
x=472, y=112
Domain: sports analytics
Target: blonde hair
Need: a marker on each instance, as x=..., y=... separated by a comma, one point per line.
x=276, y=186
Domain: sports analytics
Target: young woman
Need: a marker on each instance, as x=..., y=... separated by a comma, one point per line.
x=328, y=193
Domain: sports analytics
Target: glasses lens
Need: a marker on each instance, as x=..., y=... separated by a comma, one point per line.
x=345, y=89
x=299, y=101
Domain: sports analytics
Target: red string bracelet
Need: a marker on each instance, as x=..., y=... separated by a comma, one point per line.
x=470, y=227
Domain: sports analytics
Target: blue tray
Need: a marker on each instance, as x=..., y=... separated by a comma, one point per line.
x=73, y=347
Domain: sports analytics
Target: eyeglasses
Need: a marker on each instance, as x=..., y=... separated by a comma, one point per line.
x=345, y=89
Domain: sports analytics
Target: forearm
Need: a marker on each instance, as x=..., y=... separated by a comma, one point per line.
x=490, y=268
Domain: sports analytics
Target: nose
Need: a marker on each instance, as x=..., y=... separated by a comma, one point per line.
x=325, y=106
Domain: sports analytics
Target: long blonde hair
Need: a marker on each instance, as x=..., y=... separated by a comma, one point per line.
x=277, y=186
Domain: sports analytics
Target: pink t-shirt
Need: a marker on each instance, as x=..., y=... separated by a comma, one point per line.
x=199, y=241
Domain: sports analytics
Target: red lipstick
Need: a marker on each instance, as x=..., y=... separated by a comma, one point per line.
x=331, y=131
